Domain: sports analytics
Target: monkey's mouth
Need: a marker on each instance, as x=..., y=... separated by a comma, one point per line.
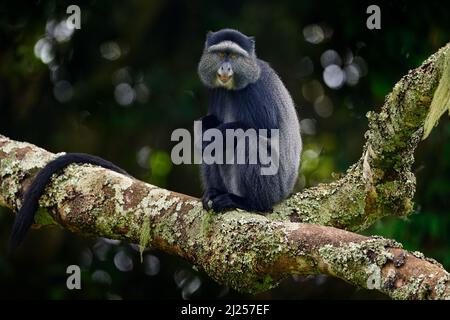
x=224, y=79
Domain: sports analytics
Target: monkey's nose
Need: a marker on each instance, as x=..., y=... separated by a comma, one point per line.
x=225, y=71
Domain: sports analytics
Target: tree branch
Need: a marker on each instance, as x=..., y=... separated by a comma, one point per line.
x=381, y=183
x=251, y=252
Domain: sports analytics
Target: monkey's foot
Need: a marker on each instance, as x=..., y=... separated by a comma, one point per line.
x=208, y=196
x=226, y=201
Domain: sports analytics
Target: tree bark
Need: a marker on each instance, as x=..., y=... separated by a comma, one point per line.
x=309, y=233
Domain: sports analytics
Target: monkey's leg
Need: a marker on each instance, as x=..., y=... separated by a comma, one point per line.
x=260, y=192
x=255, y=191
x=212, y=184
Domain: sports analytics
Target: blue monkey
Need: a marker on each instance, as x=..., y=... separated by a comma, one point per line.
x=246, y=93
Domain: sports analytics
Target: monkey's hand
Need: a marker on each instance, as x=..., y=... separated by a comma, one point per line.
x=209, y=121
x=207, y=197
x=232, y=125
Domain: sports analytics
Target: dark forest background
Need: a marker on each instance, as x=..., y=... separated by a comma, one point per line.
x=121, y=84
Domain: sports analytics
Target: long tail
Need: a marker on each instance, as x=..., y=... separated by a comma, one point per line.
x=25, y=217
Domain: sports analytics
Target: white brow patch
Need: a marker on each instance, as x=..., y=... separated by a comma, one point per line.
x=228, y=45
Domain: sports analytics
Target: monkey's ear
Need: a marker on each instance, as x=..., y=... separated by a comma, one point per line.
x=252, y=42
x=208, y=36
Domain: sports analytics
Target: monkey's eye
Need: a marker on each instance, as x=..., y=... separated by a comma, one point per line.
x=221, y=55
x=233, y=56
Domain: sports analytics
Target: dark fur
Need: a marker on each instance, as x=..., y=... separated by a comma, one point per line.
x=261, y=104
x=25, y=217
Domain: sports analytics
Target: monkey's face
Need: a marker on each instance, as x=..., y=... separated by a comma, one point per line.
x=226, y=65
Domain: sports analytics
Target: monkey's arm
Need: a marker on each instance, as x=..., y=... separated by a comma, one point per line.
x=211, y=122
x=25, y=217
x=222, y=127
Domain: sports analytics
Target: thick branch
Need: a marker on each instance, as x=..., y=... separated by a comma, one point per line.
x=251, y=252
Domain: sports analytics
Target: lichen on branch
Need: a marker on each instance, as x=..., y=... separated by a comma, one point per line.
x=381, y=182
